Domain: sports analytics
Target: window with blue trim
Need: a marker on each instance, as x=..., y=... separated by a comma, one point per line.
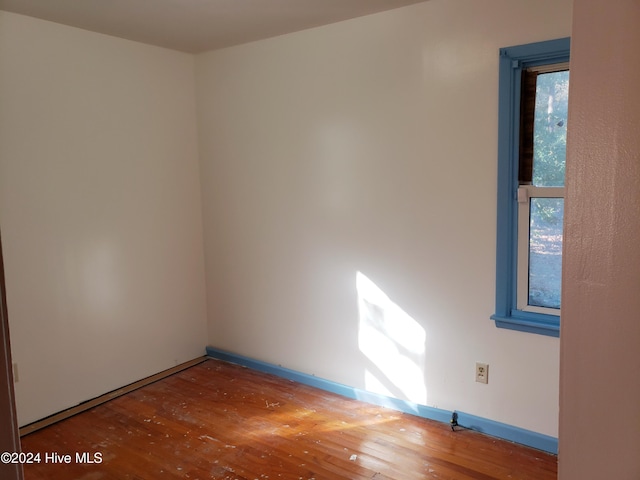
x=532, y=130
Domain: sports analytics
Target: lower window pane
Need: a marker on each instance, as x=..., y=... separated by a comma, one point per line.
x=545, y=252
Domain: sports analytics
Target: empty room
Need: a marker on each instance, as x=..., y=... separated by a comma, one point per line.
x=329, y=239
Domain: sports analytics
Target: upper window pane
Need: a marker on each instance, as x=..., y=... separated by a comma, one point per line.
x=550, y=129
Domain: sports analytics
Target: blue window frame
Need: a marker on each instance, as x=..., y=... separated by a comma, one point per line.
x=514, y=61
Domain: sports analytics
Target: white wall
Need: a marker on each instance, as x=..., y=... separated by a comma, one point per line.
x=600, y=362
x=99, y=209
x=370, y=146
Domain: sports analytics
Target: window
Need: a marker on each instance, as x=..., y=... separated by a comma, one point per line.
x=533, y=100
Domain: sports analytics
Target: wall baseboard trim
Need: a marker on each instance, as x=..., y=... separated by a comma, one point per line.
x=94, y=402
x=503, y=431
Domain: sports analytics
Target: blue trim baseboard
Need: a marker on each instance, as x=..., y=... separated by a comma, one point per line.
x=509, y=432
x=490, y=427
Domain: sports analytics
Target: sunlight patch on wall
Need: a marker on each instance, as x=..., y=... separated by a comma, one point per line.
x=393, y=342
x=101, y=283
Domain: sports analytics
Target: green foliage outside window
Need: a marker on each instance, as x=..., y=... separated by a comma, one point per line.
x=550, y=129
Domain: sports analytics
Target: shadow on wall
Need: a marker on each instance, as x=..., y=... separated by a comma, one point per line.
x=393, y=344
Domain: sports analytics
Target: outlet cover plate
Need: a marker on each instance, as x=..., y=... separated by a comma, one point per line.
x=482, y=372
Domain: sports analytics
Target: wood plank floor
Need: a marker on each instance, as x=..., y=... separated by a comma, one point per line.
x=221, y=421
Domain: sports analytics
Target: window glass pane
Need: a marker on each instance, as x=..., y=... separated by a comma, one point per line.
x=550, y=129
x=545, y=251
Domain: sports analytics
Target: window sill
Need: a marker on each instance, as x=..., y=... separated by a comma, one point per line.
x=548, y=325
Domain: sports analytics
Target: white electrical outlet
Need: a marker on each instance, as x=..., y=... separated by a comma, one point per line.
x=482, y=372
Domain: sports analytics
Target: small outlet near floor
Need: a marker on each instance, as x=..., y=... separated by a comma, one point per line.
x=482, y=372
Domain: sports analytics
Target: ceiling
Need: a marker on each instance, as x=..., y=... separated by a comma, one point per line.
x=198, y=25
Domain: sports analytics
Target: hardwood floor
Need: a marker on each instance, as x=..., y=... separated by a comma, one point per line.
x=221, y=421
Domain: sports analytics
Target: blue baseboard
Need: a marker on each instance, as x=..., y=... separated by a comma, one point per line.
x=496, y=429
x=519, y=435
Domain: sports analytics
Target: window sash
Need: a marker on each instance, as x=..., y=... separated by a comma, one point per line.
x=525, y=194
